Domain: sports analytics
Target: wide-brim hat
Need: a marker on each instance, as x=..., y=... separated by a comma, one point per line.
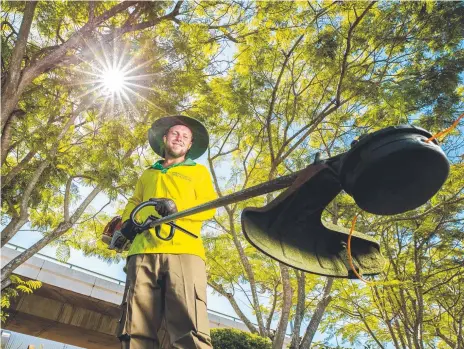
x=161, y=126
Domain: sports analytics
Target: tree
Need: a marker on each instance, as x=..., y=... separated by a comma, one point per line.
x=275, y=83
x=309, y=78
x=411, y=309
x=74, y=119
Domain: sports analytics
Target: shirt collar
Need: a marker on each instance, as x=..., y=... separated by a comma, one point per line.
x=158, y=165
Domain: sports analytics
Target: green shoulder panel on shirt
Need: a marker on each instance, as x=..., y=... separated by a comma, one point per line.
x=158, y=165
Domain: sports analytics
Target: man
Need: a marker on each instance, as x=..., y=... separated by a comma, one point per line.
x=165, y=297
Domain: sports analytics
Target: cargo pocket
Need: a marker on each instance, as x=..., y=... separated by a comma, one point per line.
x=123, y=326
x=121, y=329
x=200, y=309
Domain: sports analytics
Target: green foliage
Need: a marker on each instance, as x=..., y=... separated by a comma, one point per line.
x=17, y=286
x=275, y=83
x=103, y=145
x=423, y=276
x=273, y=106
x=225, y=338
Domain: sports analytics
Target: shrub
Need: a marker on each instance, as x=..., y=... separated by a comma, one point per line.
x=227, y=338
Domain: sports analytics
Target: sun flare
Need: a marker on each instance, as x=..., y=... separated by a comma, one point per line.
x=113, y=80
x=116, y=78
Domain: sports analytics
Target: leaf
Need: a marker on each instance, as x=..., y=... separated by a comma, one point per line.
x=63, y=252
x=24, y=289
x=34, y=284
x=5, y=302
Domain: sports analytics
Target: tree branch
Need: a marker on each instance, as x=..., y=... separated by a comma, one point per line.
x=219, y=289
x=91, y=11
x=12, y=228
x=274, y=95
x=273, y=307
x=347, y=52
x=14, y=70
x=144, y=25
x=445, y=339
x=67, y=196
x=279, y=337
x=13, y=30
x=62, y=228
x=299, y=311
x=317, y=315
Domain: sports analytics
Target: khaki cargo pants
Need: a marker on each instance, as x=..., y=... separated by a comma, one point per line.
x=164, y=304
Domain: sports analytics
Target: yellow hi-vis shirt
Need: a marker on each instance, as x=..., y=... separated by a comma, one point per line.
x=189, y=184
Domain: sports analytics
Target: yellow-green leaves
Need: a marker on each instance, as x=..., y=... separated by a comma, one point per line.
x=18, y=286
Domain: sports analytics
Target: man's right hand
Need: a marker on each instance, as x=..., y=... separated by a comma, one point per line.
x=119, y=243
x=129, y=230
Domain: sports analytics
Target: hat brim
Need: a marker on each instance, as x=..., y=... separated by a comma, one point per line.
x=160, y=127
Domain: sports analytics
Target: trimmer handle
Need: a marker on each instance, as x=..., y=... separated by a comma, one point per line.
x=151, y=219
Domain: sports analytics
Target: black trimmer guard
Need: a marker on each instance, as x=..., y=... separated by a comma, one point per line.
x=289, y=229
x=387, y=172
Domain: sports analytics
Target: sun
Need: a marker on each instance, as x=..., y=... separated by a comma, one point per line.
x=113, y=80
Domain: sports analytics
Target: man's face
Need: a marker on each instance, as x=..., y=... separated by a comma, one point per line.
x=177, y=141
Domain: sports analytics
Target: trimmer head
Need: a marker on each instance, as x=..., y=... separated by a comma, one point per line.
x=393, y=170
x=390, y=171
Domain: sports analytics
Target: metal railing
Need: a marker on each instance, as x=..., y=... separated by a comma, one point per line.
x=69, y=265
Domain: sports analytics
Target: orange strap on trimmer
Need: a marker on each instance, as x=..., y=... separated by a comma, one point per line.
x=444, y=132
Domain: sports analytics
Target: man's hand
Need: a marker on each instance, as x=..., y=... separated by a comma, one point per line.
x=119, y=242
x=165, y=207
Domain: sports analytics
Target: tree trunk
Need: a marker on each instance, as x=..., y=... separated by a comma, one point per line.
x=11, y=230
x=14, y=69
x=418, y=304
x=250, y=274
x=317, y=316
x=299, y=312
x=62, y=228
x=13, y=227
x=6, y=134
x=279, y=337
x=234, y=305
x=7, y=234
